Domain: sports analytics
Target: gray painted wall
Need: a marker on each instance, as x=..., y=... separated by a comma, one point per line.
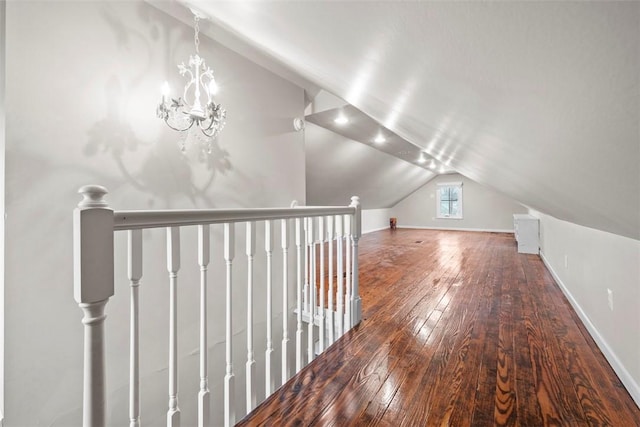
x=483, y=208
x=597, y=261
x=338, y=168
x=375, y=219
x=2, y=173
x=83, y=80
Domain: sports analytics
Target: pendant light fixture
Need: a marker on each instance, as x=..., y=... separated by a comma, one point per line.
x=196, y=107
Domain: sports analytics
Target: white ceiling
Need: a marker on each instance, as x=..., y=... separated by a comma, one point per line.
x=364, y=129
x=540, y=100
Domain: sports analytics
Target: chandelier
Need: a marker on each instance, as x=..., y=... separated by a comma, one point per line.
x=191, y=109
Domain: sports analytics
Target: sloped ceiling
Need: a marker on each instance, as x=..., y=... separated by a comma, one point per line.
x=339, y=167
x=540, y=100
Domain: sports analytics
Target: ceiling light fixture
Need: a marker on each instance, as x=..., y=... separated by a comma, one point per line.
x=380, y=139
x=183, y=113
x=421, y=159
x=432, y=165
x=341, y=119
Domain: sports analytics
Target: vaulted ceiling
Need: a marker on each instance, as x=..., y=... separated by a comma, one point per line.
x=539, y=100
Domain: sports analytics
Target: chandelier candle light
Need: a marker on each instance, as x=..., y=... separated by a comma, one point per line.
x=182, y=113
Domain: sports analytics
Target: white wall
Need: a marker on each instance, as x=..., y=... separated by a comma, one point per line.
x=597, y=261
x=375, y=219
x=338, y=168
x=2, y=149
x=483, y=208
x=83, y=79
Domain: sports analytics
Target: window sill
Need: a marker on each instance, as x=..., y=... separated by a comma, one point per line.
x=449, y=217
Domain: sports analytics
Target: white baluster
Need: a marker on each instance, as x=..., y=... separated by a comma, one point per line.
x=285, y=300
x=135, y=274
x=92, y=288
x=229, y=381
x=356, y=305
x=312, y=289
x=330, y=317
x=173, y=265
x=299, y=279
x=347, y=280
x=268, y=247
x=321, y=235
x=203, y=261
x=339, y=278
x=305, y=294
x=251, y=363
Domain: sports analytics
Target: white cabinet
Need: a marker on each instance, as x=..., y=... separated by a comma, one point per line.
x=526, y=231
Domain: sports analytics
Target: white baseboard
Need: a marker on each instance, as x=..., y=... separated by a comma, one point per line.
x=484, y=230
x=375, y=229
x=630, y=384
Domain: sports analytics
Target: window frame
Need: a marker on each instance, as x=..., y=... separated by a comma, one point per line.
x=457, y=185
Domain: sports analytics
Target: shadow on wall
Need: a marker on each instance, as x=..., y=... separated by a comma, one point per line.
x=160, y=168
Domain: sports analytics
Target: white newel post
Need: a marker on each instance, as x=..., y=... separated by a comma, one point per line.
x=356, y=232
x=93, y=286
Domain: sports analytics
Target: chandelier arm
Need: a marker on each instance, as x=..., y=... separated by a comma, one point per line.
x=191, y=122
x=207, y=129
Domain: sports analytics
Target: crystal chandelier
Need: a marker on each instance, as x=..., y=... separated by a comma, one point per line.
x=183, y=113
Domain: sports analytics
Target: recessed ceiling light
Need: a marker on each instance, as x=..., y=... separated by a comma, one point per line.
x=421, y=159
x=341, y=119
x=380, y=139
x=441, y=169
x=432, y=165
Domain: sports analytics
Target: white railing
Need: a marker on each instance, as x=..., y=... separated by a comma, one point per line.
x=329, y=304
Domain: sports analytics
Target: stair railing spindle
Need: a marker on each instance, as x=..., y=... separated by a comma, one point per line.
x=339, y=277
x=268, y=247
x=305, y=294
x=203, y=261
x=312, y=290
x=321, y=309
x=285, y=300
x=251, y=363
x=347, y=279
x=299, y=280
x=135, y=274
x=330, y=311
x=229, y=380
x=173, y=265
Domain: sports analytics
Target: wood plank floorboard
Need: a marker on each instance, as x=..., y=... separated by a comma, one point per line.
x=458, y=329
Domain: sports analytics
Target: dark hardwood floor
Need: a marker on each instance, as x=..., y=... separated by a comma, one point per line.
x=458, y=330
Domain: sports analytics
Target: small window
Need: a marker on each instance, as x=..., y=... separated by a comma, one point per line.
x=449, y=200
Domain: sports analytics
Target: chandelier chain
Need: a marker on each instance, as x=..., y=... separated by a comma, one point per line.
x=196, y=38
